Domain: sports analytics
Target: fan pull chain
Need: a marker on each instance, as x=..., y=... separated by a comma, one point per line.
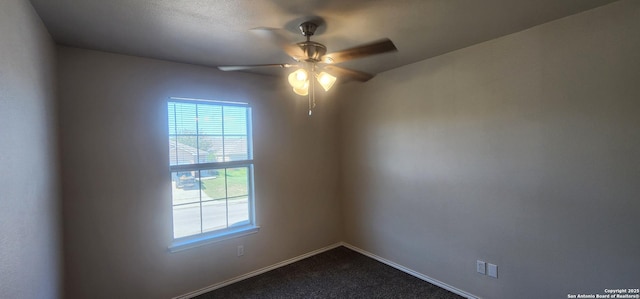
x=311, y=97
x=312, y=101
x=312, y=91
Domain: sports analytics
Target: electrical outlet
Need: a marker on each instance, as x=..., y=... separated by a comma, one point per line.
x=481, y=267
x=240, y=250
x=492, y=270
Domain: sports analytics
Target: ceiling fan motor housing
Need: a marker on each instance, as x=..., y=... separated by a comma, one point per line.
x=312, y=51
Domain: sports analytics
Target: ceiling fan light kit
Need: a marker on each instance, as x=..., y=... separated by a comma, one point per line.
x=326, y=80
x=314, y=64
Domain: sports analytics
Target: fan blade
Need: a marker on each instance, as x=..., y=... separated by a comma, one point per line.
x=377, y=47
x=344, y=72
x=228, y=68
x=278, y=37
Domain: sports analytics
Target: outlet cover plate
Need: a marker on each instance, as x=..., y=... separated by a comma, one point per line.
x=492, y=270
x=240, y=250
x=481, y=267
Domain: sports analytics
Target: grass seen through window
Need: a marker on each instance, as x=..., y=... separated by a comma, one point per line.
x=235, y=185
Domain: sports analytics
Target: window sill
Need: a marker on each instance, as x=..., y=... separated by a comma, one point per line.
x=197, y=241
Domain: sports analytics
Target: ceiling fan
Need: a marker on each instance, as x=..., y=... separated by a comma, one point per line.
x=312, y=61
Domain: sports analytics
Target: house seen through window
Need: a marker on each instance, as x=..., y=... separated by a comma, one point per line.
x=211, y=165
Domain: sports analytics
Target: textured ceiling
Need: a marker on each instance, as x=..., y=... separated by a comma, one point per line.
x=216, y=32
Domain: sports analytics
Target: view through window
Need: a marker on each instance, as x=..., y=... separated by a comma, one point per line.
x=211, y=164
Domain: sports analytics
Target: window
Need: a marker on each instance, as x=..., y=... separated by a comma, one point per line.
x=211, y=165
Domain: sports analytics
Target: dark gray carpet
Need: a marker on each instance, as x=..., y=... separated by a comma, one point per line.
x=337, y=273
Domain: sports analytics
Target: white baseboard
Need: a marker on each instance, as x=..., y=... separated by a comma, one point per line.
x=321, y=250
x=411, y=272
x=256, y=272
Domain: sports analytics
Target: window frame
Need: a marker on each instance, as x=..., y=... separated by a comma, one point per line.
x=203, y=238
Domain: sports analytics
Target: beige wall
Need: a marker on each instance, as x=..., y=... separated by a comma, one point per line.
x=115, y=176
x=30, y=240
x=522, y=151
